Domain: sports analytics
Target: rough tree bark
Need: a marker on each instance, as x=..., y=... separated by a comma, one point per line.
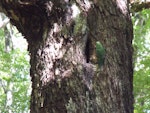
x=64, y=71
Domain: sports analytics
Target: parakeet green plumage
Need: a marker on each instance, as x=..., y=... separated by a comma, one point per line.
x=100, y=54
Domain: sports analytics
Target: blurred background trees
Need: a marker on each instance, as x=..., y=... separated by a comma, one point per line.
x=14, y=65
x=14, y=70
x=141, y=44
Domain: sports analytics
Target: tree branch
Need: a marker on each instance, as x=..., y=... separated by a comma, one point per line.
x=139, y=6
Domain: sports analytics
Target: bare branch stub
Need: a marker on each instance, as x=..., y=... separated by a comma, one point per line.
x=139, y=6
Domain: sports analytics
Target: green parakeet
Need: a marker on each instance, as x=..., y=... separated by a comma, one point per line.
x=100, y=54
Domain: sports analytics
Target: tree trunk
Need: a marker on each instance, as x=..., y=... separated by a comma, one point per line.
x=66, y=77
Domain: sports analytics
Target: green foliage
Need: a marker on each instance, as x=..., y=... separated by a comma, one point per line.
x=141, y=43
x=14, y=79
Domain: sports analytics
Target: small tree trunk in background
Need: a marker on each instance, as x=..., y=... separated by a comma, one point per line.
x=64, y=71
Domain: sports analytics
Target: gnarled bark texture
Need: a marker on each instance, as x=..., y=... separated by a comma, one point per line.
x=64, y=71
